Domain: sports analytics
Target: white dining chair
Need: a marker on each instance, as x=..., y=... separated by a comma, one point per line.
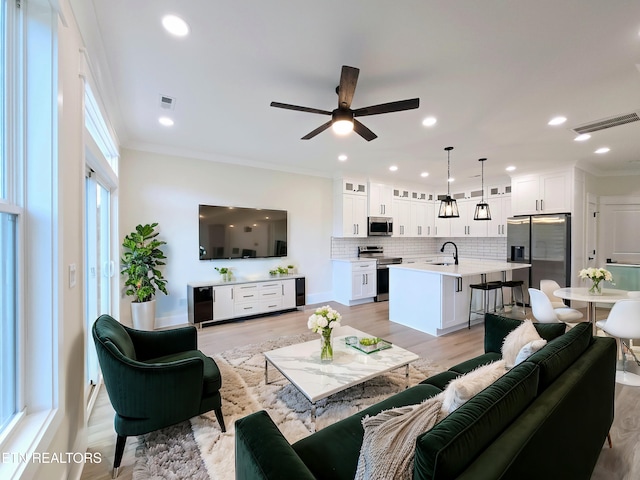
x=548, y=287
x=544, y=312
x=623, y=323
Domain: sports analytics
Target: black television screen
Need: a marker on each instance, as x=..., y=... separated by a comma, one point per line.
x=237, y=232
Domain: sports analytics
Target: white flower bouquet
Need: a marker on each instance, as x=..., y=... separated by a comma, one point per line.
x=596, y=275
x=323, y=321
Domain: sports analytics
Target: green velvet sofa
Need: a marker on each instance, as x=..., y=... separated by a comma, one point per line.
x=548, y=417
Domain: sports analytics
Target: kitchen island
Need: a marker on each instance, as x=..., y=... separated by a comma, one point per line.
x=435, y=298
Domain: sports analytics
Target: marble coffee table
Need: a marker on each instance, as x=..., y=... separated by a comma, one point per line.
x=301, y=365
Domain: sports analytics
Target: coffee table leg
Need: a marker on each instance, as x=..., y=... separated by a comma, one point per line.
x=266, y=372
x=313, y=418
x=406, y=376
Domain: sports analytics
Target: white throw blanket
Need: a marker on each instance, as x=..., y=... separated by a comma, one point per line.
x=389, y=442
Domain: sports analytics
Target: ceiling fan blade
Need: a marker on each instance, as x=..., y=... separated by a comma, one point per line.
x=300, y=109
x=363, y=131
x=388, y=107
x=347, y=87
x=318, y=130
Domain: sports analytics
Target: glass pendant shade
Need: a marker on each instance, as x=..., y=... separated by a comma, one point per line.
x=482, y=212
x=482, y=209
x=448, y=206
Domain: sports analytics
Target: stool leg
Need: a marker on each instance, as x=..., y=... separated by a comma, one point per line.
x=470, y=306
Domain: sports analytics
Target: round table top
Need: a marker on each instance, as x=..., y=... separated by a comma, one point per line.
x=581, y=294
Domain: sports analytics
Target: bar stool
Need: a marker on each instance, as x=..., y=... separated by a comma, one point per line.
x=519, y=285
x=486, y=288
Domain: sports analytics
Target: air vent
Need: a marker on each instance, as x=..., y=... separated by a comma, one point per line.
x=167, y=103
x=607, y=123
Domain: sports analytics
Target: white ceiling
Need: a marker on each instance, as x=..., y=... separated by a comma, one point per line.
x=493, y=73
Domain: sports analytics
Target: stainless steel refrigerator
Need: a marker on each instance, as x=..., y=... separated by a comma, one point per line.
x=544, y=241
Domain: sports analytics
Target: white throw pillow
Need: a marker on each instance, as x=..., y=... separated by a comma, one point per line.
x=528, y=350
x=461, y=389
x=517, y=339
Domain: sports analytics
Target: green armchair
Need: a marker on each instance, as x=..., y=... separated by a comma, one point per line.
x=154, y=379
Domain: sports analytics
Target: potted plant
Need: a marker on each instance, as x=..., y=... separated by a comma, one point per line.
x=224, y=272
x=140, y=261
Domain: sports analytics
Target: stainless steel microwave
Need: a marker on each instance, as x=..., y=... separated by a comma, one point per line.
x=380, y=227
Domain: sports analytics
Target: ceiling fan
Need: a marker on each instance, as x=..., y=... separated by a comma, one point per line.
x=342, y=118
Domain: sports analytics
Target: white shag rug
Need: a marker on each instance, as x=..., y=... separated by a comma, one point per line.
x=200, y=450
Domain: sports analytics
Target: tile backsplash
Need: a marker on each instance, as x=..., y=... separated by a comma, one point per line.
x=494, y=248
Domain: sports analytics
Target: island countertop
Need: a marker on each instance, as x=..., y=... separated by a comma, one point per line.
x=466, y=268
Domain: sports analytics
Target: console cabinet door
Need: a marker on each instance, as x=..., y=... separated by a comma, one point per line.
x=222, y=302
x=289, y=293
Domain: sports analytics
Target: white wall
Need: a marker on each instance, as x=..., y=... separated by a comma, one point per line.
x=168, y=189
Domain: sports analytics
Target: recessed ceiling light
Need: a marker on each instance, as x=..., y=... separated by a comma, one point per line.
x=583, y=137
x=429, y=121
x=451, y=179
x=510, y=168
x=393, y=168
x=342, y=157
x=175, y=25
x=602, y=150
x=424, y=174
x=557, y=120
x=166, y=121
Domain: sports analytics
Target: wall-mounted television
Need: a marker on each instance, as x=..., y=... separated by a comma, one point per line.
x=238, y=232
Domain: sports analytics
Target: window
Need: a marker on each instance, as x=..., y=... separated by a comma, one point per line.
x=8, y=252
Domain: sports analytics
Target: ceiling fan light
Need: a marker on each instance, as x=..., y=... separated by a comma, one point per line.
x=448, y=208
x=342, y=127
x=482, y=212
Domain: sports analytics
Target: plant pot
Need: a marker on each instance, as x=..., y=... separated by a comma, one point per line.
x=143, y=315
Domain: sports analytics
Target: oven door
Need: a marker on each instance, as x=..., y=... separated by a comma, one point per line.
x=382, y=279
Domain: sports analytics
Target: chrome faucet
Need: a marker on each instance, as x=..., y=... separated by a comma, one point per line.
x=455, y=255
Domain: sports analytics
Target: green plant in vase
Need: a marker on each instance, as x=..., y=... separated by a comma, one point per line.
x=139, y=263
x=225, y=272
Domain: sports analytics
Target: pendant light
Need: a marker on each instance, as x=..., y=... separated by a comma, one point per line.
x=448, y=206
x=482, y=209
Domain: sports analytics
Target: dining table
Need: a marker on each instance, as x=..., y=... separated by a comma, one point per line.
x=581, y=294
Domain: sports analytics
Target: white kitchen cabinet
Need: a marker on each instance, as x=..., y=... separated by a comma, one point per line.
x=421, y=196
x=223, y=303
x=421, y=221
x=401, y=193
x=402, y=218
x=500, y=210
x=455, y=299
x=380, y=200
x=465, y=225
x=354, y=282
x=354, y=187
x=351, y=211
x=545, y=193
x=498, y=190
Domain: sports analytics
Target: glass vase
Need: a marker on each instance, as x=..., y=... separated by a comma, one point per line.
x=326, y=346
x=596, y=289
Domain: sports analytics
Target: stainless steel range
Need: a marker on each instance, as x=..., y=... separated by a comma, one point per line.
x=382, y=272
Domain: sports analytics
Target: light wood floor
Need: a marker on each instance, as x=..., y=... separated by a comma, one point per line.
x=373, y=319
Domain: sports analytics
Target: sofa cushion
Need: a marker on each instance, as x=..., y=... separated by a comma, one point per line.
x=441, y=380
x=496, y=328
x=561, y=352
x=451, y=445
x=333, y=452
x=475, y=362
x=516, y=339
x=462, y=389
x=212, y=380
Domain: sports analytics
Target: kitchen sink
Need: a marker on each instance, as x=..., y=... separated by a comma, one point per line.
x=443, y=263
